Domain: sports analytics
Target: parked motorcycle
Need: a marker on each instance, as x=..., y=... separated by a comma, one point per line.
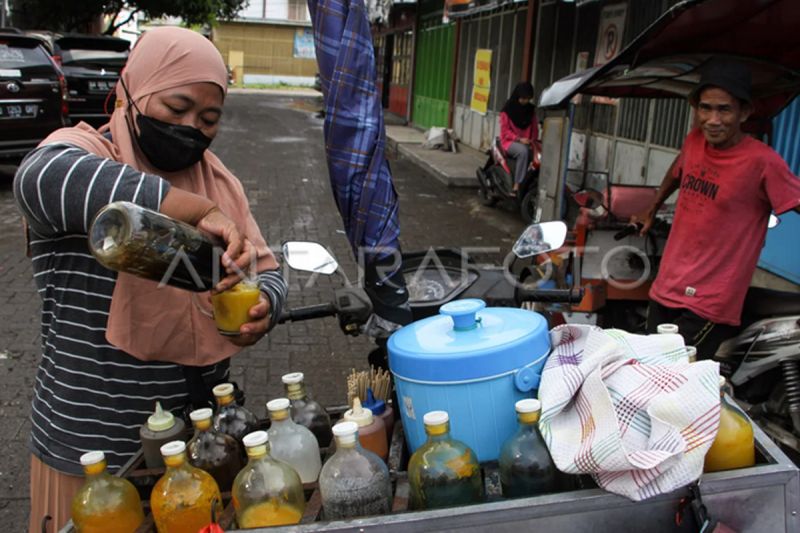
x=496, y=181
x=763, y=363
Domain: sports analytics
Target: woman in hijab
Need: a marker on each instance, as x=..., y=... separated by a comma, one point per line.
x=113, y=344
x=518, y=129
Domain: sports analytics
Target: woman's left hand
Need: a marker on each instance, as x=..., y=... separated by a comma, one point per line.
x=251, y=332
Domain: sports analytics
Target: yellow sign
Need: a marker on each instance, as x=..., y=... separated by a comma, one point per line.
x=482, y=81
x=480, y=100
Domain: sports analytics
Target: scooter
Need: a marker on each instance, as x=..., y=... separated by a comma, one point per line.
x=763, y=364
x=496, y=181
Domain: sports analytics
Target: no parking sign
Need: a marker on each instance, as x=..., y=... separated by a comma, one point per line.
x=609, y=37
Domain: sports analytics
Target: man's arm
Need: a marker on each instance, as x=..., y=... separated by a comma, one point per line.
x=669, y=185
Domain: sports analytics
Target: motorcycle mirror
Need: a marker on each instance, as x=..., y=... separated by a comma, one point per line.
x=773, y=221
x=540, y=238
x=309, y=257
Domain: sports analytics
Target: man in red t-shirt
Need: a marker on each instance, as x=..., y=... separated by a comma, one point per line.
x=728, y=184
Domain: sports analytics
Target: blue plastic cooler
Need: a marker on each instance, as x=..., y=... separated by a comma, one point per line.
x=473, y=362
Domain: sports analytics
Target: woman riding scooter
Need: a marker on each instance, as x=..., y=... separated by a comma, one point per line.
x=519, y=129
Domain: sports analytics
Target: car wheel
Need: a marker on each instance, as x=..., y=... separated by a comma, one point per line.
x=527, y=207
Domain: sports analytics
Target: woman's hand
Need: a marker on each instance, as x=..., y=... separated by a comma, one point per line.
x=240, y=253
x=525, y=141
x=251, y=332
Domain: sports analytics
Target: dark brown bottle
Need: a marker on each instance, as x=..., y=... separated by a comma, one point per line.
x=306, y=411
x=231, y=418
x=129, y=238
x=216, y=453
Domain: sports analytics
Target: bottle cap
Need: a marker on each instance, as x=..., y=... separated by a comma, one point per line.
x=278, y=404
x=160, y=420
x=435, y=418
x=721, y=381
x=92, y=458
x=378, y=407
x=292, y=378
x=223, y=389
x=201, y=414
x=359, y=415
x=691, y=353
x=256, y=438
x=667, y=328
x=529, y=405
x=175, y=447
x=346, y=432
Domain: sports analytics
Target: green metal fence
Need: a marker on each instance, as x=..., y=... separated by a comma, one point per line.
x=434, y=72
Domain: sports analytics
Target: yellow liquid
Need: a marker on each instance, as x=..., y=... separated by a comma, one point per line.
x=269, y=513
x=181, y=501
x=734, y=446
x=123, y=521
x=232, y=307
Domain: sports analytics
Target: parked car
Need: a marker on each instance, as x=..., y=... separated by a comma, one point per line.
x=32, y=95
x=91, y=64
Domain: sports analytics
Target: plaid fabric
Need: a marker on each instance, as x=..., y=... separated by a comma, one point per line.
x=354, y=133
x=628, y=409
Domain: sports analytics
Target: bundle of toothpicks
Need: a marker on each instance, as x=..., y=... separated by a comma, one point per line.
x=377, y=379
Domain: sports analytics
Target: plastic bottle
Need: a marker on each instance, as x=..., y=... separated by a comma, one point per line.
x=306, y=411
x=526, y=468
x=129, y=238
x=443, y=472
x=182, y=498
x=267, y=492
x=161, y=427
x=734, y=445
x=354, y=482
x=231, y=418
x=371, y=429
x=382, y=411
x=293, y=443
x=216, y=453
x=105, y=504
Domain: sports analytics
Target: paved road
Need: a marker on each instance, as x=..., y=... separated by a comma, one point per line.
x=274, y=145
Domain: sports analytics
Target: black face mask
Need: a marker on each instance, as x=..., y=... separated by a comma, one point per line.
x=170, y=147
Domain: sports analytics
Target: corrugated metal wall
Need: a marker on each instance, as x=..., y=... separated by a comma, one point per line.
x=434, y=72
x=268, y=48
x=781, y=255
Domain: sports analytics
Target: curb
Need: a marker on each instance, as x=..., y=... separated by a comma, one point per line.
x=437, y=173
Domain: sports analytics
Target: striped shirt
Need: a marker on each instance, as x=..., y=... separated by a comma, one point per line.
x=88, y=395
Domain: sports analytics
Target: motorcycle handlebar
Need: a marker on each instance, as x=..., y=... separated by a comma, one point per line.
x=630, y=229
x=308, y=312
x=550, y=295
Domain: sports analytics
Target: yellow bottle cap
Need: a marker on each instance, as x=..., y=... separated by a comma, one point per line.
x=160, y=420
x=359, y=415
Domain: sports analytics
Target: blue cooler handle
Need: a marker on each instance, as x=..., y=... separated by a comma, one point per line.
x=526, y=379
x=463, y=313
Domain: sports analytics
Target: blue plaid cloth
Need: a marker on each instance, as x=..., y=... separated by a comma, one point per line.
x=355, y=139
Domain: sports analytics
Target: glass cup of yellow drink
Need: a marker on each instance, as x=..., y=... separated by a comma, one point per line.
x=232, y=307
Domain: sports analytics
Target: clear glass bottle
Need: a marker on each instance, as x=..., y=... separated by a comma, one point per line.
x=231, y=418
x=734, y=445
x=293, y=443
x=183, y=497
x=443, y=472
x=306, y=411
x=105, y=504
x=129, y=238
x=354, y=482
x=216, y=453
x=526, y=468
x=267, y=492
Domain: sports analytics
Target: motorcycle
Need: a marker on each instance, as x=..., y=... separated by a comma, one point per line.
x=433, y=278
x=496, y=181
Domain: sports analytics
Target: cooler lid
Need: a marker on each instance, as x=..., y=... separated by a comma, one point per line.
x=467, y=341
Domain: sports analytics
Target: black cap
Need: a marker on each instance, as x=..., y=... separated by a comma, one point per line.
x=731, y=76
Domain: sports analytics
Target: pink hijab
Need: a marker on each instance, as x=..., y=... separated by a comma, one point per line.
x=148, y=322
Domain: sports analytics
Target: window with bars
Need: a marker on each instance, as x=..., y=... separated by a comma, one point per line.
x=401, y=60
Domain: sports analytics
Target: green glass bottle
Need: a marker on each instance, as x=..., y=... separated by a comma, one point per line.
x=526, y=468
x=443, y=472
